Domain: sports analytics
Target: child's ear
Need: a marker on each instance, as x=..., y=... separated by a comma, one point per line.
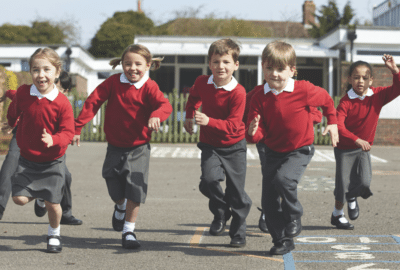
x=292, y=71
x=371, y=81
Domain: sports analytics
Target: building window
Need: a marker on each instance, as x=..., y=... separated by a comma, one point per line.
x=164, y=77
x=380, y=53
x=248, y=60
x=187, y=76
x=5, y=64
x=248, y=78
x=168, y=59
x=191, y=59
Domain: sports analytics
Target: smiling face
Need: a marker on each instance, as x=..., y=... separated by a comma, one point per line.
x=43, y=75
x=277, y=77
x=222, y=68
x=361, y=80
x=134, y=66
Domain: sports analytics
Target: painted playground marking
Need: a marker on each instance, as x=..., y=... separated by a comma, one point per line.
x=252, y=154
x=362, y=250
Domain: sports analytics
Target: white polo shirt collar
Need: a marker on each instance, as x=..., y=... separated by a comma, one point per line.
x=50, y=96
x=228, y=87
x=289, y=88
x=138, y=84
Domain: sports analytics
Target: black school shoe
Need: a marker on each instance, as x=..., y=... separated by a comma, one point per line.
x=53, y=248
x=117, y=224
x=218, y=225
x=71, y=220
x=293, y=229
x=335, y=221
x=39, y=211
x=282, y=248
x=1, y=212
x=353, y=213
x=238, y=242
x=130, y=244
x=261, y=222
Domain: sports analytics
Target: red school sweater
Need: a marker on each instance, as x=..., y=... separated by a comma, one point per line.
x=128, y=110
x=359, y=118
x=286, y=123
x=37, y=114
x=224, y=108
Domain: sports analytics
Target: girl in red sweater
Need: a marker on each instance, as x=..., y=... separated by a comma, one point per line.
x=135, y=108
x=45, y=128
x=358, y=114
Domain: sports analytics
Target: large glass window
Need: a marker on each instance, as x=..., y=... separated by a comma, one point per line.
x=164, y=77
x=187, y=76
x=191, y=59
x=248, y=78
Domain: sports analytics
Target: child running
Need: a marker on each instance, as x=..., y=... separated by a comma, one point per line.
x=222, y=140
x=64, y=84
x=45, y=129
x=280, y=118
x=358, y=114
x=135, y=108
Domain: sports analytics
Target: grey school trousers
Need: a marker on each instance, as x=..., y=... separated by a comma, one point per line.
x=281, y=174
x=218, y=163
x=10, y=166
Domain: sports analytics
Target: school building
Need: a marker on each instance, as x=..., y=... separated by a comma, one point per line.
x=322, y=61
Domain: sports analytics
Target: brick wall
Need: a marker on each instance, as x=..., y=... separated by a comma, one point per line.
x=80, y=83
x=388, y=130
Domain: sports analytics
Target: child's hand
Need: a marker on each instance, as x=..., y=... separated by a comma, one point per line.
x=154, y=124
x=188, y=125
x=364, y=145
x=76, y=139
x=47, y=139
x=6, y=128
x=201, y=118
x=254, y=125
x=390, y=64
x=3, y=98
x=333, y=131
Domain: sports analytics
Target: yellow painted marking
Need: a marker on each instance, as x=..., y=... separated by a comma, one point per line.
x=195, y=241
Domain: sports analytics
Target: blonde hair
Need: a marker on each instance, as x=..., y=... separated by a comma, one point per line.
x=141, y=50
x=48, y=54
x=224, y=46
x=280, y=54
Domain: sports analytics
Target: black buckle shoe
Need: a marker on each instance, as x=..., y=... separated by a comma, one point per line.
x=53, y=248
x=282, y=248
x=293, y=229
x=70, y=221
x=130, y=244
x=335, y=221
x=353, y=213
x=117, y=224
x=238, y=242
x=218, y=225
x=261, y=222
x=39, y=211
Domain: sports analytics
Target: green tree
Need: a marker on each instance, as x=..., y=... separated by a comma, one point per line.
x=117, y=32
x=330, y=18
x=41, y=32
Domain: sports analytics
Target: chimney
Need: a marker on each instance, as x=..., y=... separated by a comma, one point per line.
x=139, y=6
x=308, y=13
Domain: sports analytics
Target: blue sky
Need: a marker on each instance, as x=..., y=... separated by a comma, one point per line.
x=89, y=14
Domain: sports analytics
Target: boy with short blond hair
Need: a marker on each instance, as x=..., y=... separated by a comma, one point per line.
x=222, y=140
x=280, y=118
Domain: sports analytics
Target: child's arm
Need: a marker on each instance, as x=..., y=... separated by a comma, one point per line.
x=255, y=130
x=388, y=93
x=193, y=103
x=161, y=108
x=390, y=64
x=13, y=112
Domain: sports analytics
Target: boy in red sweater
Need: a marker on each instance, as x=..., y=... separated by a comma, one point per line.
x=45, y=129
x=280, y=118
x=222, y=139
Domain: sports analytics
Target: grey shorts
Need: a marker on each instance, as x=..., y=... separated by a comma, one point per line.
x=126, y=171
x=39, y=180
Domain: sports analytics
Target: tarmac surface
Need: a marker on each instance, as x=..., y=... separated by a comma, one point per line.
x=172, y=226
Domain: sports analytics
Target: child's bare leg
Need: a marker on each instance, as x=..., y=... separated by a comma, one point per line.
x=55, y=213
x=22, y=200
x=132, y=211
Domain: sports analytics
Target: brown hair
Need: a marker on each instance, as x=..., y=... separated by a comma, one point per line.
x=279, y=53
x=48, y=54
x=141, y=50
x=224, y=46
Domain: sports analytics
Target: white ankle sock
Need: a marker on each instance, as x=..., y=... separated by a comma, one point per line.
x=54, y=231
x=118, y=215
x=352, y=203
x=129, y=227
x=41, y=203
x=337, y=212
